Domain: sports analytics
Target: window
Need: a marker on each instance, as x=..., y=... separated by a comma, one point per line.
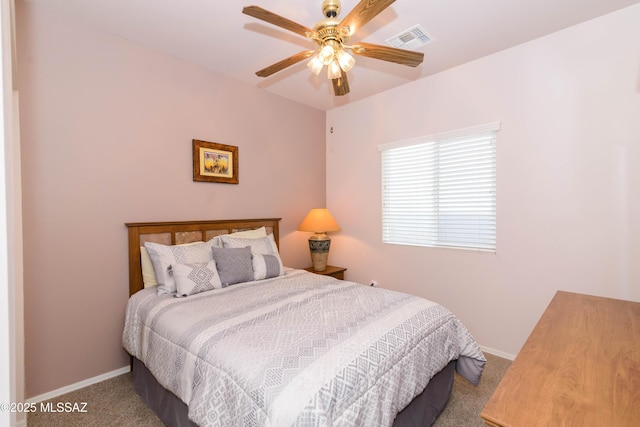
x=440, y=190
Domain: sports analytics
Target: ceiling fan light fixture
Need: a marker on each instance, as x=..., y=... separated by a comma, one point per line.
x=326, y=54
x=331, y=36
x=315, y=65
x=333, y=71
x=345, y=60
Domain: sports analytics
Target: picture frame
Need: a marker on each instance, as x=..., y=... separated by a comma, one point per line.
x=213, y=162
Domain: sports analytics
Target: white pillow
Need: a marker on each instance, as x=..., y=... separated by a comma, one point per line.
x=263, y=245
x=262, y=267
x=247, y=234
x=195, y=278
x=163, y=256
x=250, y=234
x=148, y=275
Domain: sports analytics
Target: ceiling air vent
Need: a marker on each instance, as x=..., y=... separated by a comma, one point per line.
x=410, y=39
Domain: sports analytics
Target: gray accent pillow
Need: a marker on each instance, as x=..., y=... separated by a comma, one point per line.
x=233, y=264
x=264, y=250
x=266, y=266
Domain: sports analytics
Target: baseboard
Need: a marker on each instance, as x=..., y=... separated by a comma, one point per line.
x=79, y=385
x=497, y=353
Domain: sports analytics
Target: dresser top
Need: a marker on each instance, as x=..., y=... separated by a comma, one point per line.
x=579, y=367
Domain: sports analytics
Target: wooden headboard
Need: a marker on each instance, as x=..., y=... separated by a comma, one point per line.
x=179, y=232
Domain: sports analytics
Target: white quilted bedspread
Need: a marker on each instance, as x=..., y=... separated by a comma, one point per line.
x=301, y=349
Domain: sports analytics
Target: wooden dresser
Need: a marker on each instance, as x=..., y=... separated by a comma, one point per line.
x=579, y=367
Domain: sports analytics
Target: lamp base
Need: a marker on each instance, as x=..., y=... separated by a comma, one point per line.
x=319, y=247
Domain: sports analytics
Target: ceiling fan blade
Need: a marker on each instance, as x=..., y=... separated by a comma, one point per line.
x=340, y=85
x=391, y=54
x=277, y=20
x=362, y=13
x=278, y=66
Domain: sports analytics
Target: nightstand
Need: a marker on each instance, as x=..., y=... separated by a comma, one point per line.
x=337, y=272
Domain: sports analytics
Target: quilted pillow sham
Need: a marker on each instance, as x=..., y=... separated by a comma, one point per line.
x=194, y=278
x=163, y=256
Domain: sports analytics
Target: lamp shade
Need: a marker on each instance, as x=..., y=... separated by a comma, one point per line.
x=319, y=220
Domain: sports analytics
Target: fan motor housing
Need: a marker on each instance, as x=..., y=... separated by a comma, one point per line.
x=331, y=8
x=327, y=29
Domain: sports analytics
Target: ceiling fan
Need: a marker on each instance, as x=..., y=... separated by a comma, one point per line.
x=331, y=36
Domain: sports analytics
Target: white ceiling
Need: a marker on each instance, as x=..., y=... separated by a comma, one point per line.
x=216, y=35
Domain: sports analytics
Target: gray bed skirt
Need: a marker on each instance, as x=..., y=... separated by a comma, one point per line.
x=422, y=411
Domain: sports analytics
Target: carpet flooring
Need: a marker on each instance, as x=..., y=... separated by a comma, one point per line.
x=114, y=403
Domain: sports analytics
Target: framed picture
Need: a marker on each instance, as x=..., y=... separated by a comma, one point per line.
x=215, y=162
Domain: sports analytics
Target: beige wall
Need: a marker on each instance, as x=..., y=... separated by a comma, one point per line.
x=106, y=130
x=568, y=178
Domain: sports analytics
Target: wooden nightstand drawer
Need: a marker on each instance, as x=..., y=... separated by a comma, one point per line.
x=337, y=272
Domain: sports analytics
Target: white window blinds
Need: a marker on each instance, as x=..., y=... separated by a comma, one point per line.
x=441, y=190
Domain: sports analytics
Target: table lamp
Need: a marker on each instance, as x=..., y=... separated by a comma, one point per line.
x=320, y=221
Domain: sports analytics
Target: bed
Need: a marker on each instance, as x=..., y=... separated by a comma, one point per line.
x=281, y=346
